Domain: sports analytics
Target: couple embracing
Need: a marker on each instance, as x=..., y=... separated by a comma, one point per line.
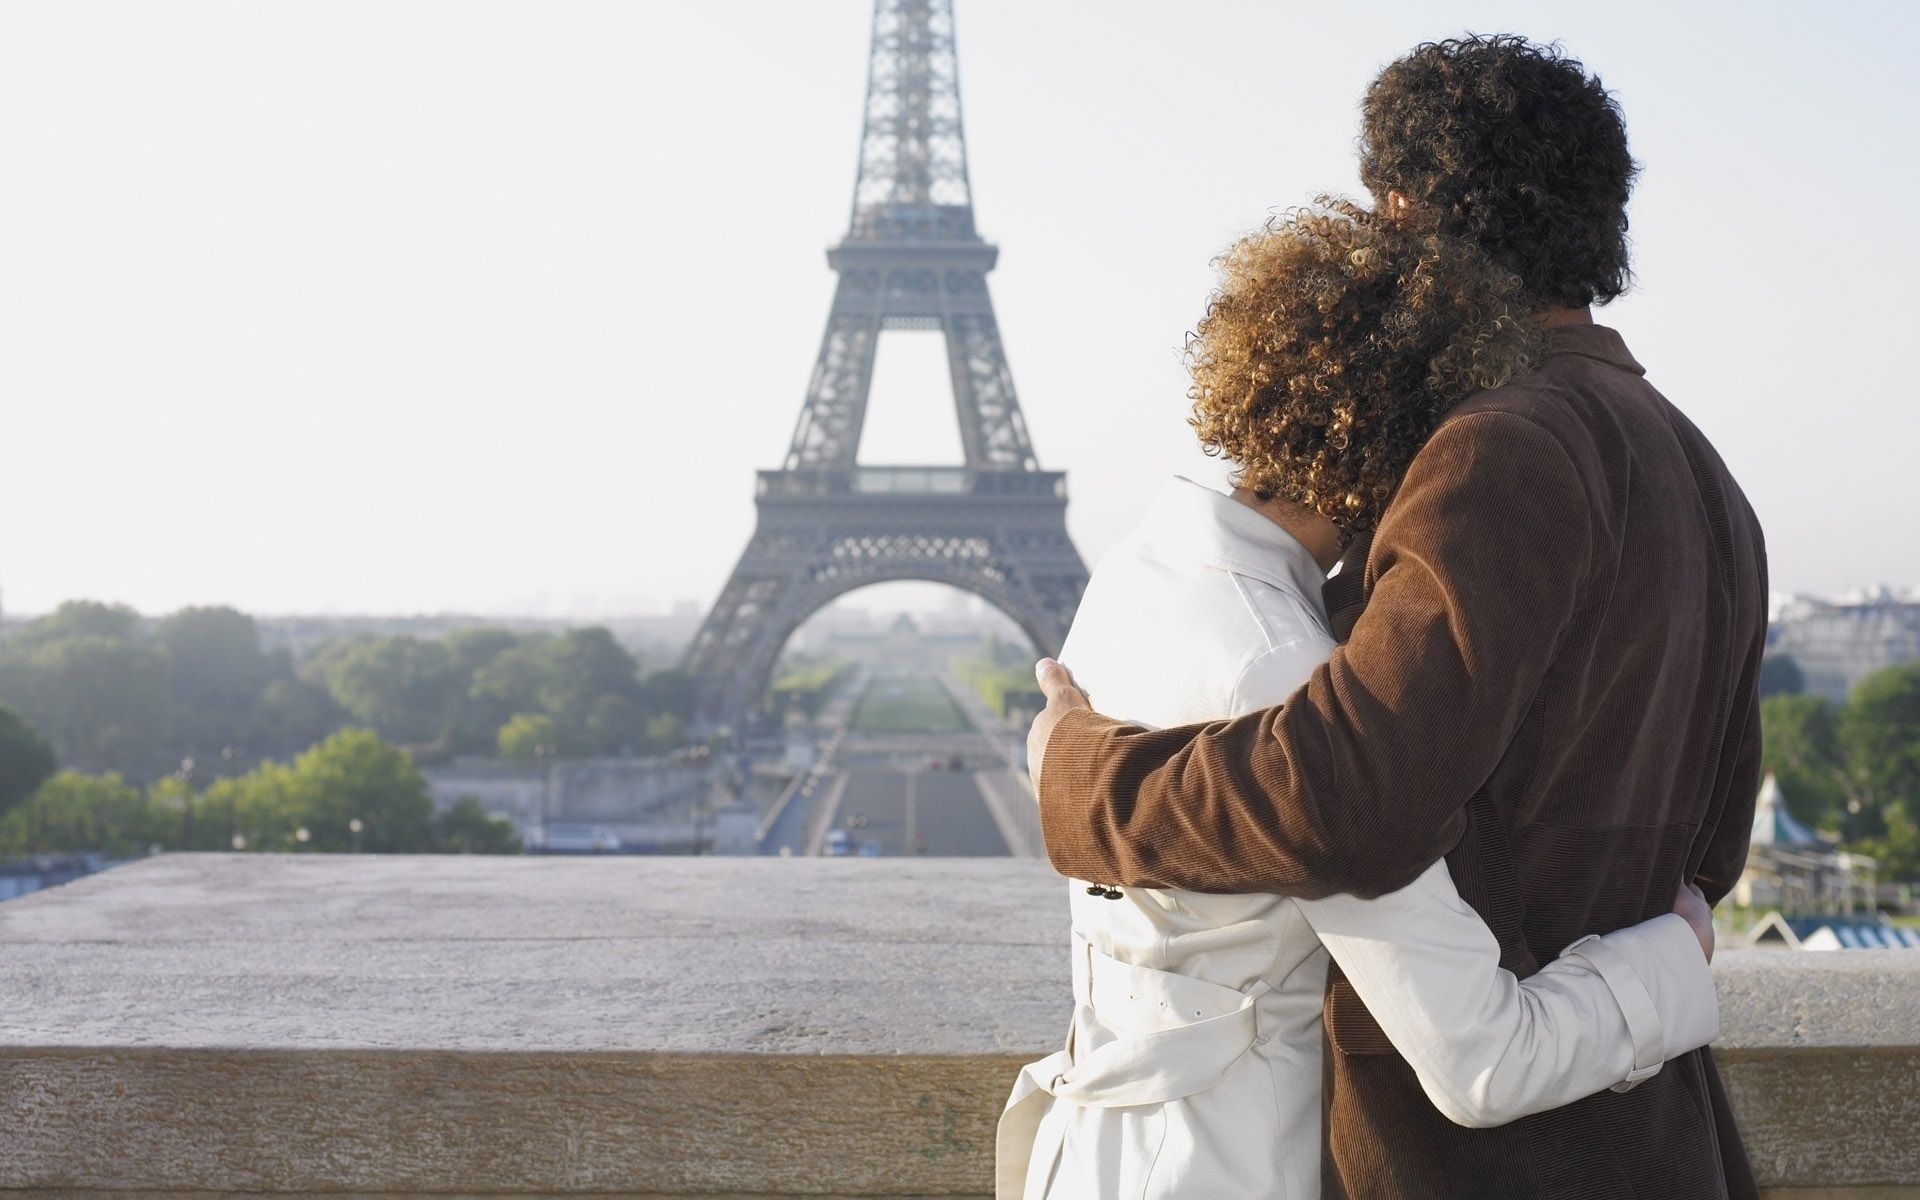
x=1397, y=883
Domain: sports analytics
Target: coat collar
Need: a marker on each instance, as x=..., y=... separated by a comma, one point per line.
x=1597, y=342
x=1191, y=522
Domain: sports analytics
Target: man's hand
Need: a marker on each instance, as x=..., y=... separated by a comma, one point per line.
x=1691, y=903
x=1062, y=696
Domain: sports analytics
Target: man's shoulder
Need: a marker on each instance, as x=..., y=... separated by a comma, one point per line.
x=1537, y=400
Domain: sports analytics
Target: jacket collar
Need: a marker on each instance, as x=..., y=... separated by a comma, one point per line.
x=1191, y=522
x=1596, y=342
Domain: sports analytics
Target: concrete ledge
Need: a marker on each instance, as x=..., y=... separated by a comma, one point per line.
x=223, y=1024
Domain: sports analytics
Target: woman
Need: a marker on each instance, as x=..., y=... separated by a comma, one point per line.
x=1192, y=1067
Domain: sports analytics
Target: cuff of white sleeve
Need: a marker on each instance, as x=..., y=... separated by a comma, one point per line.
x=1666, y=957
x=1636, y=1005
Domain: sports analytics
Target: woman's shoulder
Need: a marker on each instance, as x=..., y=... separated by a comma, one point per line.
x=1170, y=643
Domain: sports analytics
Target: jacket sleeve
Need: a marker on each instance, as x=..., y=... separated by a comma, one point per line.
x=1727, y=845
x=1726, y=851
x=1360, y=779
x=1489, y=1048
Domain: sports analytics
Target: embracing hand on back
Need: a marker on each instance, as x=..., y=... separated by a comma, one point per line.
x=1056, y=682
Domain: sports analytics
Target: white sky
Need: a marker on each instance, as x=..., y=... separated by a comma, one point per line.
x=495, y=307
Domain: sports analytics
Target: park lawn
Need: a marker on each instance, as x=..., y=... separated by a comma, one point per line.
x=907, y=706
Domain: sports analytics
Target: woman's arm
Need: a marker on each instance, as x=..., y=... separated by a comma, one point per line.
x=1489, y=1048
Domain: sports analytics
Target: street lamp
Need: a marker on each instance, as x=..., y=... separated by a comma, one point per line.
x=543, y=753
x=185, y=774
x=354, y=827
x=301, y=835
x=233, y=823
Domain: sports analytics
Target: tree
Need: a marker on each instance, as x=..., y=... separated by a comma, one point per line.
x=216, y=673
x=1802, y=748
x=26, y=761
x=1780, y=676
x=293, y=714
x=498, y=678
x=82, y=618
x=591, y=689
x=509, y=684
x=353, y=775
x=1879, y=734
x=671, y=691
x=528, y=736
x=467, y=828
x=74, y=812
x=665, y=732
x=267, y=807
x=101, y=700
x=472, y=649
x=403, y=687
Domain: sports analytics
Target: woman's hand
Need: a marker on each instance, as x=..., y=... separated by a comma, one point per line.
x=1691, y=903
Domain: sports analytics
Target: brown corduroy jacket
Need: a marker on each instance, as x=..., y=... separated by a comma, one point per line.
x=1549, y=677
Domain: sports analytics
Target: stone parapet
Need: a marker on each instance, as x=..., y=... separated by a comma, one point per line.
x=658, y=1027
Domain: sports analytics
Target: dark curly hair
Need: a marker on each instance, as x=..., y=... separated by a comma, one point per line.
x=1512, y=145
x=1335, y=344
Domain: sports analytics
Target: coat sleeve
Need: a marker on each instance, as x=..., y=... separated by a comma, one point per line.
x=1360, y=779
x=1728, y=840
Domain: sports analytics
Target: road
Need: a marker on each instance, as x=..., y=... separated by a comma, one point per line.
x=888, y=775
x=903, y=810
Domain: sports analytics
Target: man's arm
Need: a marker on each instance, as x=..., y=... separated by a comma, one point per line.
x=1489, y=1048
x=1358, y=782
x=1727, y=845
x=1726, y=851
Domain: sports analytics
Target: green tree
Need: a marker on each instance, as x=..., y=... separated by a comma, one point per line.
x=1801, y=741
x=485, y=662
x=26, y=761
x=353, y=775
x=672, y=692
x=82, y=618
x=293, y=714
x=1879, y=734
x=472, y=649
x=508, y=684
x=665, y=731
x=1780, y=675
x=216, y=674
x=267, y=808
x=101, y=700
x=591, y=689
x=467, y=828
x=75, y=812
x=528, y=736
x=404, y=688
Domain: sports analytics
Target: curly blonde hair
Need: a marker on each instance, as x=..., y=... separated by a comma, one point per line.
x=1335, y=344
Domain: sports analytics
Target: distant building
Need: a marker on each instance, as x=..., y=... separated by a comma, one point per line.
x=1837, y=643
x=629, y=805
x=1863, y=932
x=1797, y=870
x=1773, y=825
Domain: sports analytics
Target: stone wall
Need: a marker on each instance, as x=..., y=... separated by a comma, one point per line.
x=225, y=1024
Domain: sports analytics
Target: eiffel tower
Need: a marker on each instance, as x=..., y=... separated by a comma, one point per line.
x=911, y=259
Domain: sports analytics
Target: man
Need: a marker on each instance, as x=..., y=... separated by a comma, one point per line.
x=1552, y=643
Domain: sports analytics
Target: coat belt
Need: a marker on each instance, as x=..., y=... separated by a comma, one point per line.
x=1148, y=1068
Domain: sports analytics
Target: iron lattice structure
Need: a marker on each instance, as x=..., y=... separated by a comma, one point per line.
x=911, y=259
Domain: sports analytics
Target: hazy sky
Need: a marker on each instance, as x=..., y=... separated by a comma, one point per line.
x=496, y=307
